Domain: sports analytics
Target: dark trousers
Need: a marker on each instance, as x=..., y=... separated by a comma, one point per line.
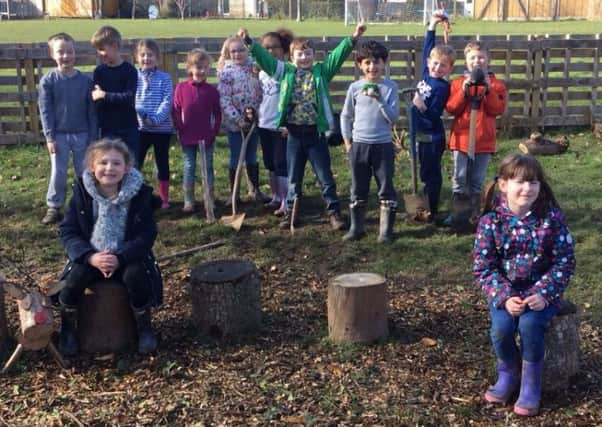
x=273, y=147
x=368, y=160
x=131, y=137
x=81, y=276
x=429, y=155
x=305, y=143
x=160, y=144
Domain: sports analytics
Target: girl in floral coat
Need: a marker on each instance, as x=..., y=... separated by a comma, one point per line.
x=523, y=261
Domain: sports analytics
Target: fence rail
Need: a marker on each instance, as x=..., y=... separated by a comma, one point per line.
x=552, y=80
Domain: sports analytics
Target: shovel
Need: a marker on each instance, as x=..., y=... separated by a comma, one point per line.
x=236, y=219
x=207, y=199
x=417, y=208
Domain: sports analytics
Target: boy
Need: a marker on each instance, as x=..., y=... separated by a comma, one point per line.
x=470, y=167
x=115, y=82
x=429, y=102
x=68, y=119
x=305, y=110
x=371, y=107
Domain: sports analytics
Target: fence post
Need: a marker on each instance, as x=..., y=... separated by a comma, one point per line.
x=536, y=89
x=595, y=74
x=30, y=81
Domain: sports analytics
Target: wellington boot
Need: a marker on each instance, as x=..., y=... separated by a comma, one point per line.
x=147, y=340
x=357, y=216
x=68, y=344
x=388, y=209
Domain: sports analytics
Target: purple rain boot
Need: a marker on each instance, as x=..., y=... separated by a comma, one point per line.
x=506, y=384
x=530, y=389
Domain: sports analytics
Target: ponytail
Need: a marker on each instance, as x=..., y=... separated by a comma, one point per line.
x=487, y=196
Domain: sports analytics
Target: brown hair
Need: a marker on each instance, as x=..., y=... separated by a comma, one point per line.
x=148, y=44
x=107, y=144
x=284, y=36
x=301, y=43
x=526, y=167
x=59, y=36
x=225, y=53
x=197, y=56
x=105, y=35
x=444, y=50
x=476, y=45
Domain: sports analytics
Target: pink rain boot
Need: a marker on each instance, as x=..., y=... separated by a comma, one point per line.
x=164, y=194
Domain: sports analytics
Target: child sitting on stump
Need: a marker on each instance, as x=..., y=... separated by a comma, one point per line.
x=108, y=232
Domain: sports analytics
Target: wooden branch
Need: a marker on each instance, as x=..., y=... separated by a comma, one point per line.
x=484, y=10
x=13, y=358
x=185, y=252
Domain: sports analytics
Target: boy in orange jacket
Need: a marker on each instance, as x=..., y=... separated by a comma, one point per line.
x=470, y=167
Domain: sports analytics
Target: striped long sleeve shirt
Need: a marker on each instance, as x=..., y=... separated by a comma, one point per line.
x=154, y=95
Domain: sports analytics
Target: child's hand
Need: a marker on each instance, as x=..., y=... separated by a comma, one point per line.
x=419, y=102
x=51, y=145
x=243, y=33
x=347, y=145
x=515, y=306
x=148, y=122
x=437, y=16
x=98, y=93
x=106, y=262
x=535, y=302
x=359, y=30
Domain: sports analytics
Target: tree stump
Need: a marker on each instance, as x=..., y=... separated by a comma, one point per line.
x=3, y=322
x=105, y=319
x=226, y=297
x=561, y=360
x=357, y=308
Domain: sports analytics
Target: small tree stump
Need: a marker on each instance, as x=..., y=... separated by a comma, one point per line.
x=226, y=297
x=357, y=308
x=105, y=319
x=561, y=360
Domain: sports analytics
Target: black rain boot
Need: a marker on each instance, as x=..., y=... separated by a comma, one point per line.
x=231, y=176
x=475, y=205
x=68, y=344
x=357, y=216
x=387, y=220
x=253, y=175
x=461, y=211
x=147, y=341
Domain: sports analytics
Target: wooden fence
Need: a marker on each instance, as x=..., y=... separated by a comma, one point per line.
x=551, y=81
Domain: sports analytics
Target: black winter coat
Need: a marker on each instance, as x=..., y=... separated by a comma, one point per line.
x=140, y=233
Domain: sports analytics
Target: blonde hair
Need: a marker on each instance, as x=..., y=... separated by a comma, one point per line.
x=107, y=144
x=105, y=35
x=197, y=56
x=476, y=45
x=225, y=52
x=300, y=43
x=444, y=51
x=148, y=44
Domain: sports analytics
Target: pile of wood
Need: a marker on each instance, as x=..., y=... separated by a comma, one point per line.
x=538, y=145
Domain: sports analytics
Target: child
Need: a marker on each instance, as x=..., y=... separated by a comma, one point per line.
x=68, y=119
x=371, y=107
x=523, y=261
x=305, y=109
x=115, y=82
x=239, y=88
x=429, y=102
x=272, y=137
x=469, y=174
x=153, y=107
x=108, y=232
x=197, y=116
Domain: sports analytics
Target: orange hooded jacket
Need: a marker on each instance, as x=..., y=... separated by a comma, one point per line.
x=492, y=105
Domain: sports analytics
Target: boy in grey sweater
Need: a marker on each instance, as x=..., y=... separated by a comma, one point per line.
x=371, y=108
x=68, y=119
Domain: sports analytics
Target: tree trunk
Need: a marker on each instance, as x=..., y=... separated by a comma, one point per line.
x=105, y=319
x=357, y=308
x=3, y=323
x=561, y=360
x=368, y=9
x=226, y=297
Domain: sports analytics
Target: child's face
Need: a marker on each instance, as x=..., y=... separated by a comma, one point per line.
x=272, y=45
x=373, y=69
x=520, y=193
x=147, y=59
x=109, y=168
x=439, y=67
x=303, y=58
x=238, y=52
x=109, y=54
x=63, y=53
x=476, y=58
x=199, y=72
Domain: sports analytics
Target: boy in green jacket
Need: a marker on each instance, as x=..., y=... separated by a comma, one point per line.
x=305, y=110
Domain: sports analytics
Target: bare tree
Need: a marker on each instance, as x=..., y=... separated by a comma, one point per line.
x=181, y=5
x=133, y=9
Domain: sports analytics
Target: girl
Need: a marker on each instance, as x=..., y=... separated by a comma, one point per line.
x=153, y=107
x=272, y=138
x=523, y=261
x=197, y=117
x=108, y=232
x=239, y=88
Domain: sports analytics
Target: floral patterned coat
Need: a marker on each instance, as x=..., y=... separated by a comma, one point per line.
x=522, y=256
x=238, y=87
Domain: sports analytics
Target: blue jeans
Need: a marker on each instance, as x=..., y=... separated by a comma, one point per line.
x=305, y=143
x=131, y=137
x=235, y=143
x=531, y=327
x=372, y=159
x=430, y=154
x=189, y=154
x=469, y=175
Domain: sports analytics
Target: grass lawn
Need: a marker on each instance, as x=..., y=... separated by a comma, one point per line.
x=82, y=29
x=289, y=372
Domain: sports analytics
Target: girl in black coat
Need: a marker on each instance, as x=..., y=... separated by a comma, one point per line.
x=108, y=232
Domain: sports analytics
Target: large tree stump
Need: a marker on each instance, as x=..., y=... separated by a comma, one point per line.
x=226, y=297
x=357, y=308
x=105, y=319
x=561, y=360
